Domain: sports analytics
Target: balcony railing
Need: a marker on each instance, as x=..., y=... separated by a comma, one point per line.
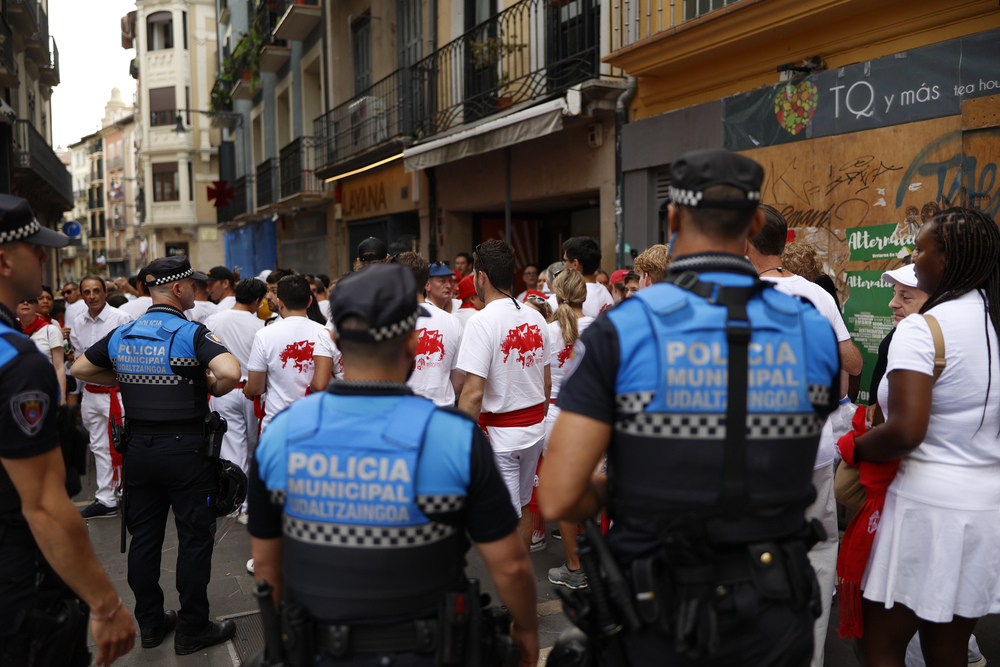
x=80, y=195
x=31, y=151
x=8, y=65
x=298, y=167
x=50, y=73
x=243, y=190
x=635, y=20
x=117, y=162
x=529, y=51
x=95, y=147
x=268, y=182
x=37, y=46
x=23, y=15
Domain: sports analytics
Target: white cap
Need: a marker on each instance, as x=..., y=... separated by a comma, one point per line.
x=262, y=276
x=904, y=275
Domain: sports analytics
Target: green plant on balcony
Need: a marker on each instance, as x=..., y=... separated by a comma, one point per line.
x=487, y=52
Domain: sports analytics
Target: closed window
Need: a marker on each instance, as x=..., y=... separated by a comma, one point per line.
x=162, y=106
x=165, y=184
x=696, y=8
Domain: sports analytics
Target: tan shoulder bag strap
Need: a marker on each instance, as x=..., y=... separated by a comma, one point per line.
x=939, y=360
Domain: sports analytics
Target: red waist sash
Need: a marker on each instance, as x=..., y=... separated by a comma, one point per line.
x=523, y=417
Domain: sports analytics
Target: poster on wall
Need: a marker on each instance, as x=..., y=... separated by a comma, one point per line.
x=893, y=241
x=869, y=319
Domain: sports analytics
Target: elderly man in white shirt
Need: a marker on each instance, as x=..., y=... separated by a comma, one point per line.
x=99, y=402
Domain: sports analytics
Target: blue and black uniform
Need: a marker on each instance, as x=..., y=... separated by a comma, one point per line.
x=160, y=360
x=29, y=398
x=657, y=369
x=375, y=494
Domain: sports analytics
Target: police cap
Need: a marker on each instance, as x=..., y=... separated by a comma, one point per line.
x=384, y=295
x=372, y=250
x=168, y=269
x=18, y=223
x=695, y=172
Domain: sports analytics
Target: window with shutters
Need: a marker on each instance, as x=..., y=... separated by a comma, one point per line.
x=162, y=106
x=361, y=40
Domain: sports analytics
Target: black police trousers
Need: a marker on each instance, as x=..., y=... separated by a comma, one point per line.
x=753, y=632
x=163, y=472
x=42, y=623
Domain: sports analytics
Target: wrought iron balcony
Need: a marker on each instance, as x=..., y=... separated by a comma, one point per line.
x=8, y=65
x=37, y=46
x=39, y=168
x=23, y=16
x=49, y=73
x=298, y=168
x=243, y=193
x=296, y=18
x=530, y=51
x=268, y=182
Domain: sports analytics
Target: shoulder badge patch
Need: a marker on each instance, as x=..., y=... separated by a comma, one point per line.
x=215, y=339
x=29, y=409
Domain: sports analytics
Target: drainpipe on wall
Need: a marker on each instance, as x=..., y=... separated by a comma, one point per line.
x=621, y=117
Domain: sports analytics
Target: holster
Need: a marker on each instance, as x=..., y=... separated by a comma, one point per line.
x=215, y=429
x=299, y=632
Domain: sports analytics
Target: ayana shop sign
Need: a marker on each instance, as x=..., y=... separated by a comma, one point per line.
x=924, y=83
x=377, y=193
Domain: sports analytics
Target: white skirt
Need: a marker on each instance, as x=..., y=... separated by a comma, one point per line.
x=937, y=549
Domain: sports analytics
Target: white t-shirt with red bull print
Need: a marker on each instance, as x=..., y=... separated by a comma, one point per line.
x=437, y=353
x=510, y=348
x=285, y=351
x=560, y=363
x=598, y=300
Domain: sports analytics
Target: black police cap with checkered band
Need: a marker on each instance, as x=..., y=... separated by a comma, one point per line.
x=384, y=295
x=697, y=171
x=169, y=269
x=18, y=223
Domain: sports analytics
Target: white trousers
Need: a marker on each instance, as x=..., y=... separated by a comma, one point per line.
x=95, y=410
x=240, y=439
x=823, y=555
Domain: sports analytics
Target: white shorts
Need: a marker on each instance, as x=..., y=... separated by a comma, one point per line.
x=517, y=468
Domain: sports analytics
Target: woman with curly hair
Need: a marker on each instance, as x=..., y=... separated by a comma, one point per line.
x=934, y=564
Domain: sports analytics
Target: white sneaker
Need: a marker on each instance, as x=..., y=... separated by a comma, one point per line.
x=243, y=518
x=250, y=566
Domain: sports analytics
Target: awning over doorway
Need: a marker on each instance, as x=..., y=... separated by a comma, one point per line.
x=530, y=123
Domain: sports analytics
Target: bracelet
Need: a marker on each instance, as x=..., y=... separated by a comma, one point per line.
x=111, y=615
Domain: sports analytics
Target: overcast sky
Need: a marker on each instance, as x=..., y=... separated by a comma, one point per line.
x=91, y=63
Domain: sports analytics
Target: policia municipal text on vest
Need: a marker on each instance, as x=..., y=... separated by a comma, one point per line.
x=672, y=591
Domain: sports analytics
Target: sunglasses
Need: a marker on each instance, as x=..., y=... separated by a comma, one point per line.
x=30, y=301
x=67, y=292
x=535, y=299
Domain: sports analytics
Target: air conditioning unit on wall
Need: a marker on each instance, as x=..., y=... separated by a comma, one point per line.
x=369, y=125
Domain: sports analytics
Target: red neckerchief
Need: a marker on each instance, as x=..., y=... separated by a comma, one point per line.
x=860, y=534
x=35, y=325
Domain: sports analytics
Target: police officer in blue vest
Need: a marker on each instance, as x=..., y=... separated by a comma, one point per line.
x=363, y=500
x=166, y=366
x=43, y=539
x=707, y=393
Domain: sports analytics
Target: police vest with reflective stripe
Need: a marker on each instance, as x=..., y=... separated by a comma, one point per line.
x=671, y=392
x=158, y=370
x=360, y=473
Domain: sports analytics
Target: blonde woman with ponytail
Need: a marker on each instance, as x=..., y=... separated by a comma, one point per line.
x=568, y=323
